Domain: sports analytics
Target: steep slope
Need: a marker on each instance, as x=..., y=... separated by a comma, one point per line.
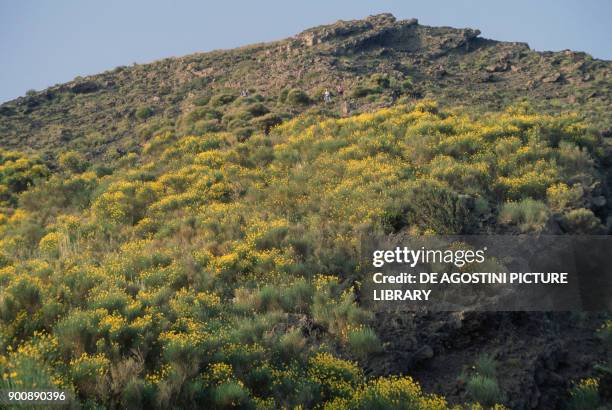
x=371, y=62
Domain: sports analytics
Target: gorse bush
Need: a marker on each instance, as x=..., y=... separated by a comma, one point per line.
x=213, y=270
x=396, y=393
x=585, y=395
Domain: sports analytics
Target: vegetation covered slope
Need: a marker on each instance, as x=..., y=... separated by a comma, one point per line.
x=366, y=64
x=213, y=271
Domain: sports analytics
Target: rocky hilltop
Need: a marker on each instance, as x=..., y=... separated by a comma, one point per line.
x=365, y=64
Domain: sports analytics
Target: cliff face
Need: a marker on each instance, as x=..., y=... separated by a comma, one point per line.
x=365, y=63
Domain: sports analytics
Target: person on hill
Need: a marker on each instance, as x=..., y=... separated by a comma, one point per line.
x=327, y=96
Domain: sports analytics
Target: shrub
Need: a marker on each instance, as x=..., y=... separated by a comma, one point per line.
x=222, y=99
x=72, y=161
x=298, y=97
x=527, y=215
x=393, y=393
x=363, y=342
x=204, y=127
x=202, y=113
x=559, y=196
x=581, y=221
x=486, y=366
x=77, y=331
x=484, y=390
x=267, y=122
x=575, y=160
x=380, y=80
x=361, y=91
x=19, y=172
x=231, y=395
x=87, y=371
x=201, y=101
x=24, y=293
x=407, y=84
x=145, y=112
x=335, y=377
x=436, y=208
x=298, y=297
x=585, y=395
x=257, y=109
x=338, y=314
x=51, y=244
x=113, y=208
x=605, y=334
x=243, y=133
x=291, y=344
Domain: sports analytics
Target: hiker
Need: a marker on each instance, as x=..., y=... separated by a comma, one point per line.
x=327, y=96
x=340, y=90
x=244, y=93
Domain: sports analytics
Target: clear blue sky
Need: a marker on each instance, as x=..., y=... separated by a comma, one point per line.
x=48, y=42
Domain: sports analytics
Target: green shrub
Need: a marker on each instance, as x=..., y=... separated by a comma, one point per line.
x=72, y=161
x=231, y=395
x=380, y=80
x=407, y=84
x=527, y=215
x=145, y=112
x=484, y=390
x=243, y=133
x=363, y=342
x=267, y=121
x=486, y=366
x=202, y=101
x=222, y=99
x=298, y=297
x=361, y=91
x=585, y=395
x=297, y=97
x=77, y=332
x=24, y=293
x=435, y=208
x=204, y=127
x=257, y=109
x=291, y=344
x=575, y=160
x=202, y=113
x=581, y=221
x=337, y=314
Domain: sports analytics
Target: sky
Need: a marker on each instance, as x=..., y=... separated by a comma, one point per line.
x=43, y=43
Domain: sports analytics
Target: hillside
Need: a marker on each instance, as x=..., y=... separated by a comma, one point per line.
x=374, y=61
x=187, y=233
x=206, y=271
